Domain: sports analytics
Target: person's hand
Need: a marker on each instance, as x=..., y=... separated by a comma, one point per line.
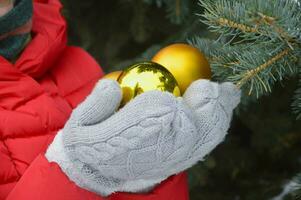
x=154, y=136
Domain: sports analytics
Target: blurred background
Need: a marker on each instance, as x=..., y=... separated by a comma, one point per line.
x=262, y=151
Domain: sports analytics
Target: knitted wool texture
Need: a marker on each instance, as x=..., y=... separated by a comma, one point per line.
x=153, y=137
x=15, y=28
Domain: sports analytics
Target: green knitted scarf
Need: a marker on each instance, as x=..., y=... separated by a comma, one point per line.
x=12, y=45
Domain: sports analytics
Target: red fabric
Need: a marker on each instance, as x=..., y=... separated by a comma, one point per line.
x=37, y=95
x=42, y=173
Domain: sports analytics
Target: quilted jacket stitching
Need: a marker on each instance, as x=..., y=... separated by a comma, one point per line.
x=12, y=161
x=50, y=132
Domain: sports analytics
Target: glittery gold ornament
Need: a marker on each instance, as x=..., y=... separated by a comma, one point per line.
x=113, y=75
x=186, y=63
x=146, y=76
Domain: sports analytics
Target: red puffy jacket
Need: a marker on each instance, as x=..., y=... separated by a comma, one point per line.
x=37, y=95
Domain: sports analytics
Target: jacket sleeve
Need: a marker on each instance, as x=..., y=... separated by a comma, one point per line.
x=45, y=180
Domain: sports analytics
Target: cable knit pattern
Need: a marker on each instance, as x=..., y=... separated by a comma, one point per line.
x=153, y=137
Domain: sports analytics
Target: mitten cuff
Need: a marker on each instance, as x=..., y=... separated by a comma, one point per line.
x=101, y=185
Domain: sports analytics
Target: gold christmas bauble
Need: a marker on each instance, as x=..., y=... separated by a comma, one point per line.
x=113, y=75
x=146, y=76
x=186, y=63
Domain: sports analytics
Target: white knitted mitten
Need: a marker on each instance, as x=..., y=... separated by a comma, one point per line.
x=154, y=136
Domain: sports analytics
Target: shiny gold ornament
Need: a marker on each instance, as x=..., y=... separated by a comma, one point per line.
x=113, y=75
x=146, y=76
x=185, y=62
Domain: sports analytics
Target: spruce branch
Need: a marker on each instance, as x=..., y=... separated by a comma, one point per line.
x=254, y=68
x=178, y=10
x=253, y=20
x=220, y=64
x=254, y=72
x=260, y=66
x=234, y=25
x=259, y=43
x=297, y=106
